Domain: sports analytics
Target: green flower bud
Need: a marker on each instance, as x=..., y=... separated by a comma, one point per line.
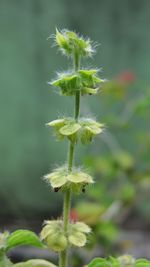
x=53, y=236
x=62, y=42
x=86, y=136
x=56, y=242
x=70, y=43
x=90, y=128
x=89, y=78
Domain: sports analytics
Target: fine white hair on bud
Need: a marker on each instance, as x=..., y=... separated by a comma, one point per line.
x=69, y=42
x=62, y=179
x=84, y=130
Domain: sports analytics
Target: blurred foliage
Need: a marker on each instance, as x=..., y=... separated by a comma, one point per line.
x=121, y=173
x=26, y=102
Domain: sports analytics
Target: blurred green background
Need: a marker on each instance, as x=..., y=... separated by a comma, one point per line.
x=27, y=148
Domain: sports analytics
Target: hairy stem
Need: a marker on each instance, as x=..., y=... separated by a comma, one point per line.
x=71, y=155
x=63, y=257
x=77, y=106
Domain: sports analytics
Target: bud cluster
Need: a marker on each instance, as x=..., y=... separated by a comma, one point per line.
x=59, y=235
x=63, y=179
x=83, y=130
x=86, y=81
x=69, y=43
x=53, y=235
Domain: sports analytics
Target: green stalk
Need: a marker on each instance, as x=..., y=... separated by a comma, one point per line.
x=63, y=257
x=77, y=96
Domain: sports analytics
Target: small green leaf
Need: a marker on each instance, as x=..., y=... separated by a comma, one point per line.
x=114, y=262
x=99, y=262
x=23, y=237
x=142, y=263
x=35, y=263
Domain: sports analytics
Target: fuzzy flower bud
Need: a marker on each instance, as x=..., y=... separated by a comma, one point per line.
x=69, y=43
x=52, y=234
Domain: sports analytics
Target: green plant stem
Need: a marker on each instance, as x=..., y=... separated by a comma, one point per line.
x=77, y=105
x=77, y=96
x=71, y=155
x=63, y=257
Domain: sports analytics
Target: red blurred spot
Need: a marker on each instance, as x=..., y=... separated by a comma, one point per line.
x=73, y=215
x=126, y=77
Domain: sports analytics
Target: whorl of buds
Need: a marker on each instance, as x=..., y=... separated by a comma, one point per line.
x=83, y=130
x=53, y=235
x=70, y=43
x=85, y=80
x=64, y=179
